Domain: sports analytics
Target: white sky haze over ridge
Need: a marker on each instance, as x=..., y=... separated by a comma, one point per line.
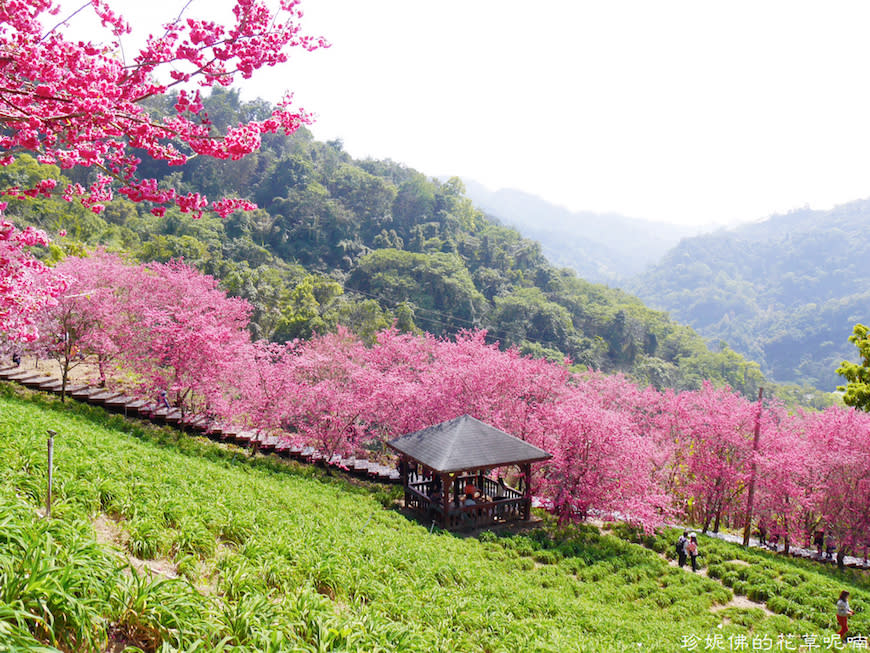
x=689, y=112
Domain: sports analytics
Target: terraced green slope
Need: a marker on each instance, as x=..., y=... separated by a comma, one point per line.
x=272, y=557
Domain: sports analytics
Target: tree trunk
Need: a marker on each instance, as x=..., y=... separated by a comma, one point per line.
x=64, y=377
x=708, y=516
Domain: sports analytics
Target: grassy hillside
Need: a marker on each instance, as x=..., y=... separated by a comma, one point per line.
x=271, y=556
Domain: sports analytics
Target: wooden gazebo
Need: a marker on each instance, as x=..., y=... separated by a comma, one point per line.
x=441, y=464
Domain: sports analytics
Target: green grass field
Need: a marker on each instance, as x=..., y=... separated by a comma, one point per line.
x=272, y=556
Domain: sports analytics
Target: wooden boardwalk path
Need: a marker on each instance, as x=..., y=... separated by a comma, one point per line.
x=200, y=425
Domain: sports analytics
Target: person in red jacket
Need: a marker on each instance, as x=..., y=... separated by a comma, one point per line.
x=843, y=614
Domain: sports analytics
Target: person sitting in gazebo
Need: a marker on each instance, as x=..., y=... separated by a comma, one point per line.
x=472, y=489
x=469, y=502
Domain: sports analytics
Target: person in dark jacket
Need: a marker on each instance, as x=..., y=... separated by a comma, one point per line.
x=681, y=548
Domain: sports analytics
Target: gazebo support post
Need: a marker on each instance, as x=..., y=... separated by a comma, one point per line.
x=404, y=468
x=446, y=484
x=454, y=488
x=527, y=490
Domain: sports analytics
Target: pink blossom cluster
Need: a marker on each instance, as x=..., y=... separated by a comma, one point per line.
x=44, y=188
x=78, y=104
x=27, y=286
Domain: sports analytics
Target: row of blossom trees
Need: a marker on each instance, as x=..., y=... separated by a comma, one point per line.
x=618, y=449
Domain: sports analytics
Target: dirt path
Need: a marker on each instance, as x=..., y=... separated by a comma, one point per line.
x=738, y=601
x=742, y=602
x=109, y=533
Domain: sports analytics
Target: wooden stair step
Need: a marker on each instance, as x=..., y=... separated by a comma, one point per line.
x=52, y=385
x=174, y=416
x=36, y=381
x=23, y=375
x=119, y=400
x=84, y=392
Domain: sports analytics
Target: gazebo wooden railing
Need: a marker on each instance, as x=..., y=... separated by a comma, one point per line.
x=499, y=503
x=481, y=514
x=485, y=485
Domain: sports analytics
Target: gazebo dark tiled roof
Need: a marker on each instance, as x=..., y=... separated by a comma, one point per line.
x=465, y=443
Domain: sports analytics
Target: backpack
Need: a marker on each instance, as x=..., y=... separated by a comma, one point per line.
x=681, y=543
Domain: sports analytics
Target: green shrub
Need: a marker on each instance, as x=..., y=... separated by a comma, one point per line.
x=715, y=571
x=236, y=529
x=760, y=593
x=384, y=498
x=194, y=538
x=525, y=564
x=146, y=539
x=487, y=536
x=188, y=566
x=748, y=617
x=546, y=557
x=659, y=545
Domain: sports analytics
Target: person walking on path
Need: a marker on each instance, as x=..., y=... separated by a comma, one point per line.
x=681, y=548
x=819, y=541
x=692, y=549
x=843, y=614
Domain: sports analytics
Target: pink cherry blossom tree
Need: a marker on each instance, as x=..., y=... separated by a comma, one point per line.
x=837, y=471
x=713, y=431
x=160, y=327
x=84, y=322
x=27, y=286
x=75, y=103
x=258, y=383
x=182, y=333
x=600, y=465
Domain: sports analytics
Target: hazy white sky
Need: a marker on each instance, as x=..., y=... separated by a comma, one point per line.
x=689, y=112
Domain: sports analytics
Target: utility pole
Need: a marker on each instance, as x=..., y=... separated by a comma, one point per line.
x=51, y=435
x=751, y=497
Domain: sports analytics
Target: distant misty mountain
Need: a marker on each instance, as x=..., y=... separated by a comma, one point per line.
x=784, y=292
x=601, y=247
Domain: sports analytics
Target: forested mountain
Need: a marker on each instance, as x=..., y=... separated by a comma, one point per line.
x=604, y=248
x=367, y=243
x=785, y=292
